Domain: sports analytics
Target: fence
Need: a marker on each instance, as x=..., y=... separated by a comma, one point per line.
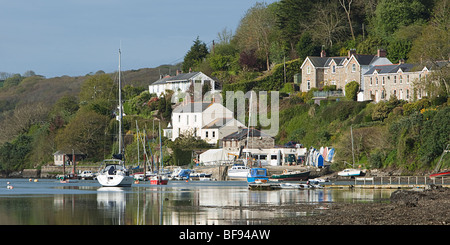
x=402, y=180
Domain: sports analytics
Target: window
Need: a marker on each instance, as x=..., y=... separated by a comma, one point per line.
x=395, y=79
x=383, y=82
x=206, y=134
x=179, y=118
x=334, y=69
x=370, y=81
x=407, y=94
x=214, y=134
x=308, y=85
x=308, y=70
x=376, y=81
x=401, y=79
x=353, y=67
x=407, y=79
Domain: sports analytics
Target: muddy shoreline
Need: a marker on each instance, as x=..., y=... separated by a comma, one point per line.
x=405, y=207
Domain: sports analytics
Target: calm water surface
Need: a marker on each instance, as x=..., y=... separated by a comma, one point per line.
x=84, y=202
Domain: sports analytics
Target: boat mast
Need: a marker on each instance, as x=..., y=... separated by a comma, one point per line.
x=120, y=110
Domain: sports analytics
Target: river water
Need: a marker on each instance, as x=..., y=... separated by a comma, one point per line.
x=85, y=202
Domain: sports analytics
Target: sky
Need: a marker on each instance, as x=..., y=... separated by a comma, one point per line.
x=75, y=37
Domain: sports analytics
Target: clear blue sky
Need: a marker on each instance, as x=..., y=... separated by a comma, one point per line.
x=75, y=37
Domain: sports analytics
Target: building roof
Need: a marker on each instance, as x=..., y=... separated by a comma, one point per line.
x=191, y=107
x=242, y=134
x=179, y=77
x=363, y=59
x=218, y=123
x=394, y=68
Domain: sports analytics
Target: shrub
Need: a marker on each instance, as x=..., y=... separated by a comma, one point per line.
x=351, y=90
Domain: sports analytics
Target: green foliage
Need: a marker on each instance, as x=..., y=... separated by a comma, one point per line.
x=351, y=90
x=182, y=148
x=195, y=55
x=86, y=133
x=13, y=154
x=273, y=81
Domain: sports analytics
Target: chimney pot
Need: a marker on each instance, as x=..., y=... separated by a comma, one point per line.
x=323, y=53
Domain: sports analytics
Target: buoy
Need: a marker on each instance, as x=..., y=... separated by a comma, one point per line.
x=36, y=180
x=9, y=187
x=29, y=180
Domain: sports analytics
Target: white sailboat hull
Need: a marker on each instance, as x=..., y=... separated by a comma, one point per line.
x=115, y=180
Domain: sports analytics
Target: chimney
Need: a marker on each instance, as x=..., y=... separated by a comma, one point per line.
x=401, y=61
x=381, y=53
x=323, y=53
x=351, y=52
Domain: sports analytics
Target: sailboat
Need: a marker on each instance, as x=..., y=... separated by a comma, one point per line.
x=160, y=178
x=113, y=172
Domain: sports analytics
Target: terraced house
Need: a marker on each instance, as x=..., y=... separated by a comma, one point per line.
x=405, y=81
x=320, y=71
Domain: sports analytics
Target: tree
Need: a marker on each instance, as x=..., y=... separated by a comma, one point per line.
x=255, y=30
x=393, y=14
x=13, y=154
x=306, y=46
x=195, y=55
x=329, y=23
x=347, y=4
x=86, y=133
x=292, y=17
x=97, y=87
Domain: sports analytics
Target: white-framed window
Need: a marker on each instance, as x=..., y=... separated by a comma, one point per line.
x=308, y=70
x=333, y=69
x=206, y=134
x=353, y=67
x=382, y=81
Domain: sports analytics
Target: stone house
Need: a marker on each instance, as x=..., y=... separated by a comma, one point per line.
x=320, y=71
x=403, y=80
x=256, y=139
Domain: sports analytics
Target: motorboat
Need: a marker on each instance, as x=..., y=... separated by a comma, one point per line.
x=257, y=175
x=114, y=174
x=350, y=172
x=159, y=179
x=238, y=171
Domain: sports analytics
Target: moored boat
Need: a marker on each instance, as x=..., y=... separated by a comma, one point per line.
x=238, y=171
x=159, y=180
x=349, y=172
x=257, y=175
x=114, y=174
x=291, y=175
x=441, y=174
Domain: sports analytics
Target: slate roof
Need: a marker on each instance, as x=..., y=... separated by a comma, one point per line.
x=242, y=134
x=394, y=68
x=362, y=59
x=179, y=77
x=191, y=107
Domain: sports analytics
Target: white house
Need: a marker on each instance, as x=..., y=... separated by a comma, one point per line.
x=208, y=121
x=181, y=83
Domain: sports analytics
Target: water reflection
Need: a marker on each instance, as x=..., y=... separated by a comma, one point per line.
x=179, y=203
